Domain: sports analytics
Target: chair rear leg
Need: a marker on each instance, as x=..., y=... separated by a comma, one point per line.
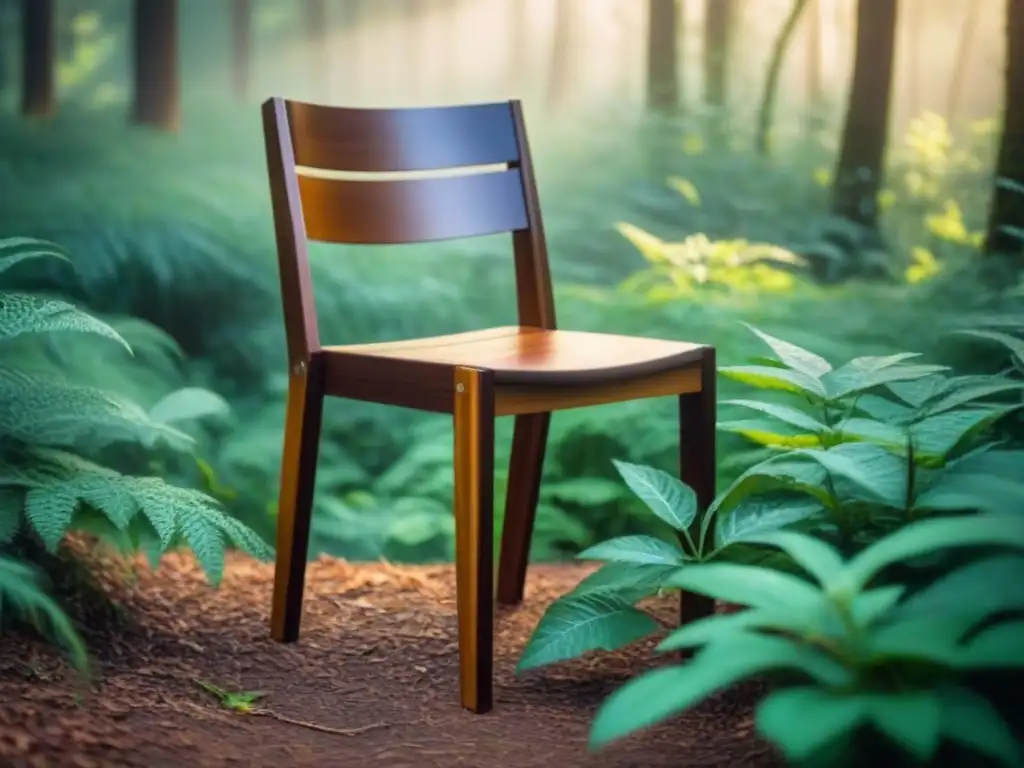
x=474, y=535
x=295, y=505
x=697, y=425
x=529, y=443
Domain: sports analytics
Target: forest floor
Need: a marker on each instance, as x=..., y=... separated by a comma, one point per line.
x=372, y=682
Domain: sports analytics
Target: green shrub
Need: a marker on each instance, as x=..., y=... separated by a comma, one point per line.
x=51, y=425
x=881, y=443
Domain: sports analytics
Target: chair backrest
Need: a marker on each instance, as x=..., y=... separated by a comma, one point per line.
x=305, y=140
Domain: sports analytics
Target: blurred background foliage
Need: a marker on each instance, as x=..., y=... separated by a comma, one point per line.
x=676, y=216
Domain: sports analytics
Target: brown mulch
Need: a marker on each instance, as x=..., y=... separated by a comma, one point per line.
x=372, y=682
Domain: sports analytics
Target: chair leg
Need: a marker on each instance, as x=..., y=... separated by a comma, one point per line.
x=697, y=425
x=295, y=505
x=528, y=446
x=474, y=535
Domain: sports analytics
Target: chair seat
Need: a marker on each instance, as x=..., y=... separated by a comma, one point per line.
x=524, y=355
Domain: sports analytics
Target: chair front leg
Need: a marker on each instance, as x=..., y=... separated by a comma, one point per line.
x=529, y=443
x=697, y=427
x=474, y=534
x=295, y=504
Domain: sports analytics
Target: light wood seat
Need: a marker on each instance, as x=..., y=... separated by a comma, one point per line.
x=527, y=370
x=519, y=355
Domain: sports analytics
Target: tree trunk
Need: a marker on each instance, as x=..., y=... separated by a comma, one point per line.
x=155, y=64
x=719, y=16
x=241, y=48
x=38, y=58
x=662, y=56
x=963, y=55
x=858, y=175
x=771, y=84
x=912, y=37
x=560, y=75
x=815, y=68
x=519, y=54
x=316, y=43
x=1006, y=215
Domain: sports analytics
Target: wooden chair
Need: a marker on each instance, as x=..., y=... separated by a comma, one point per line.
x=527, y=370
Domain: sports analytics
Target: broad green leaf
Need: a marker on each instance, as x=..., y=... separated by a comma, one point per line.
x=769, y=433
x=797, y=358
x=661, y=693
x=748, y=585
x=1013, y=344
x=783, y=413
x=668, y=497
x=779, y=619
x=874, y=471
x=872, y=431
x=579, y=623
x=927, y=536
x=996, y=647
x=912, y=719
x=802, y=721
x=918, y=392
x=883, y=409
x=753, y=517
x=967, y=591
x=635, y=549
x=864, y=373
x=779, y=379
x=868, y=607
x=972, y=393
x=34, y=249
x=772, y=474
x=24, y=313
x=970, y=720
x=941, y=434
x=927, y=638
x=629, y=581
x=188, y=403
x=982, y=480
x=813, y=555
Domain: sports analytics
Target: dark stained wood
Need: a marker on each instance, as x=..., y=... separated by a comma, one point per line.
x=303, y=337
x=392, y=140
x=412, y=210
x=520, y=355
x=295, y=504
x=38, y=58
x=528, y=370
x=155, y=64
x=535, y=297
x=697, y=464
x=241, y=47
x=474, y=534
x=526, y=466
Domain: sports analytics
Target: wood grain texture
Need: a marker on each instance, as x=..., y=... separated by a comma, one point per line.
x=395, y=140
x=412, y=210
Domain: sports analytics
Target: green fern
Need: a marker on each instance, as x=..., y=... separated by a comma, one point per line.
x=47, y=490
x=21, y=589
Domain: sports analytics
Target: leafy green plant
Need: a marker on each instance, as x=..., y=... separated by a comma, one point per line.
x=851, y=468
x=864, y=652
x=48, y=426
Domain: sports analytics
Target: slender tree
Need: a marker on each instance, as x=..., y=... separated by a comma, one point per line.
x=858, y=175
x=774, y=72
x=815, y=66
x=316, y=43
x=1006, y=214
x=38, y=58
x=563, y=53
x=155, y=64
x=719, y=18
x=961, y=59
x=241, y=48
x=663, y=56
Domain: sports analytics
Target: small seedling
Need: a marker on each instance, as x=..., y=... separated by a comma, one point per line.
x=238, y=702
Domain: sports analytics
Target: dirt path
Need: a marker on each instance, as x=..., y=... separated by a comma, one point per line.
x=372, y=682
